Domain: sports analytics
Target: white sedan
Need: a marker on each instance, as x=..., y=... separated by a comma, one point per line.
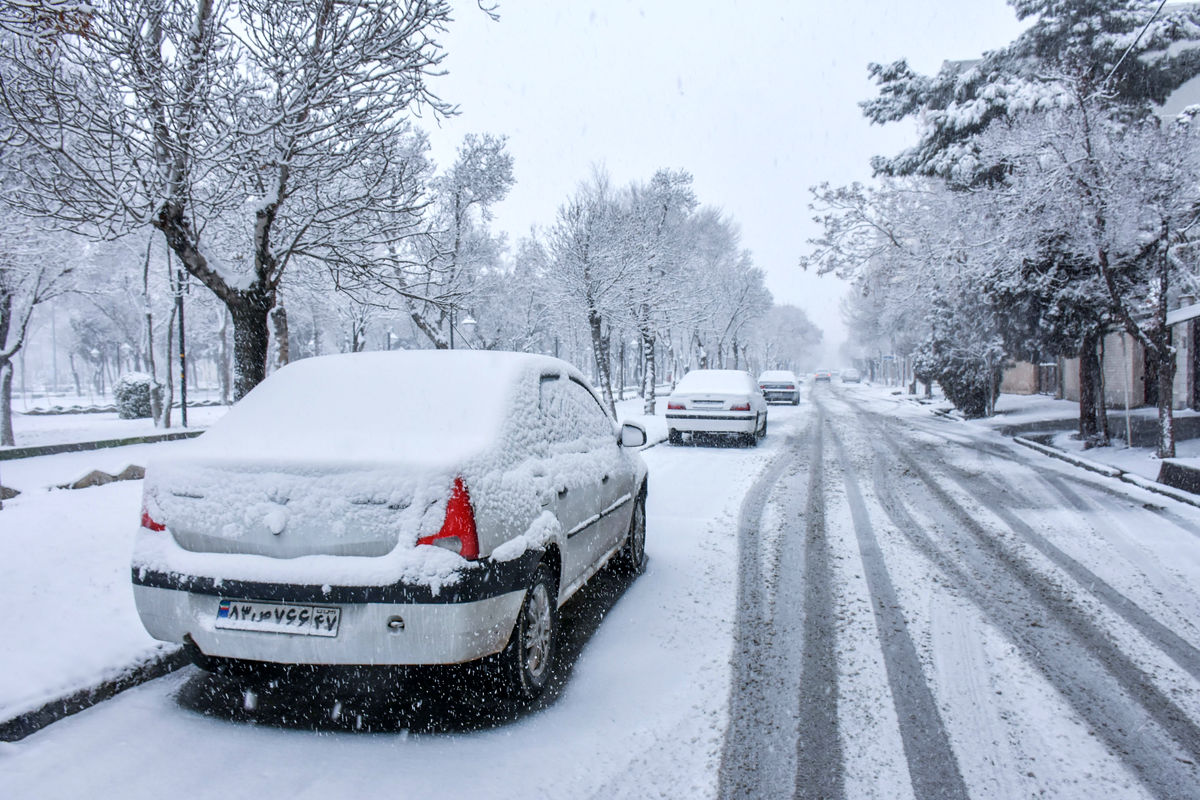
x=780, y=385
x=717, y=401
x=419, y=507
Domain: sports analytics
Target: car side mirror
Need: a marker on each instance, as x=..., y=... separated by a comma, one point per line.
x=632, y=435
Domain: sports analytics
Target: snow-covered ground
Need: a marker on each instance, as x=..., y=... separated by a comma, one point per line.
x=649, y=687
x=1049, y=612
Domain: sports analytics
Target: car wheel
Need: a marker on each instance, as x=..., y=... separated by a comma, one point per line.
x=762, y=433
x=633, y=553
x=675, y=437
x=529, y=656
x=796, y=400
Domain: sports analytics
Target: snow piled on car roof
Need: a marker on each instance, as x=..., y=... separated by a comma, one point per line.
x=412, y=406
x=716, y=381
x=777, y=375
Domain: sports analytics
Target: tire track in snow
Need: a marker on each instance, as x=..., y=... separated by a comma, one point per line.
x=1137, y=722
x=932, y=765
x=761, y=705
x=818, y=746
x=1165, y=639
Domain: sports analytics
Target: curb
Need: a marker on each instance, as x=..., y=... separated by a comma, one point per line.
x=32, y=721
x=1110, y=472
x=76, y=447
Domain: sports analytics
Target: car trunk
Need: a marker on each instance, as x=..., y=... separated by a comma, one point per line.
x=713, y=401
x=290, y=510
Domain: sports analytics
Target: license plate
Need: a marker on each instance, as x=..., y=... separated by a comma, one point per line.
x=299, y=620
x=709, y=403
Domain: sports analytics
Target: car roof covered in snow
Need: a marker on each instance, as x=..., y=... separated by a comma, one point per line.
x=777, y=375
x=716, y=381
x=422, y=406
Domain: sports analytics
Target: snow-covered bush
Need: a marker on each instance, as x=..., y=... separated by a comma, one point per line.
x=132, y=393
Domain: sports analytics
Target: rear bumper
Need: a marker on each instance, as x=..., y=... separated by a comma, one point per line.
x=781, y=396
x=693, y=422
x=470, y=620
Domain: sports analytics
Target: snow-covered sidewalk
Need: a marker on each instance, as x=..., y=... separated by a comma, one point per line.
x=1054, y=422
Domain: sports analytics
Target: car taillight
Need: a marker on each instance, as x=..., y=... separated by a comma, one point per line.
x=762, y=386
x=789, y=387
x=149, y=523
x=675, y=406
x=740, y=407
x=458, y=533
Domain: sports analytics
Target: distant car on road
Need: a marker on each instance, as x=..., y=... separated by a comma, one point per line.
x=851, y=376
x=823, y=375
x=391, y=508
x=717, y=401
x=780, y=385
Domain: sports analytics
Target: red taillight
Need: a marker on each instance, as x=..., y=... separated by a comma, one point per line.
x=740, y=407
x=149, y=523
x=764, y=386
x=789, y=387
x=675, y=406
x=458, y=530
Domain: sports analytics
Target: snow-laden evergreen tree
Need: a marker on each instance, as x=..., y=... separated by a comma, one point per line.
x=1132, y=54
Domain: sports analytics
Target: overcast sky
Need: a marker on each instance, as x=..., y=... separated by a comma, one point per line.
x=758, y=100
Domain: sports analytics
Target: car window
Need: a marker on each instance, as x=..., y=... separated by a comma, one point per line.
x=570, y=413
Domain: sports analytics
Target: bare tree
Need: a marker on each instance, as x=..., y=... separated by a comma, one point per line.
x=250, y=134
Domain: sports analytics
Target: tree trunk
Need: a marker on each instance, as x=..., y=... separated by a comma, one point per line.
x=223, y=361
x=1166, y=401
x=6, y=381
x=280, y=321
x=169, y=374
x=1093, y=424
x=649, y=372
x=251, y=342
x=600, y=348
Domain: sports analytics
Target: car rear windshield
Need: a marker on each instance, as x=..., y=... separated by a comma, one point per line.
x=716, y=381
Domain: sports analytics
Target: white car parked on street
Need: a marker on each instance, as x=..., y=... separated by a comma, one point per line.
x=712, y=401
x=390, y=508
x=780, y=385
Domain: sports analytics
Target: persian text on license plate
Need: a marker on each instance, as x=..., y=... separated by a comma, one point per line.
x=256, y=615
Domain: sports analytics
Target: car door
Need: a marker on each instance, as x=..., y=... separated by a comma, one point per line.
x=568, y=491
x=616, y=472
x=588, y=473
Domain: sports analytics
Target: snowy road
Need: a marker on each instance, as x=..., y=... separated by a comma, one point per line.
x=904, y=608
x=638, y=707
x=926, y=613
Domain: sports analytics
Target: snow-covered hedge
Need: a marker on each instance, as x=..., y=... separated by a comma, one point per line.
x=132, y=394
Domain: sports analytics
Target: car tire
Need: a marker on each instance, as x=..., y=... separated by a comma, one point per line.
x=674, y=437
x=632, y=555
x=762, y=433
x=796, y=400
x=528, y=659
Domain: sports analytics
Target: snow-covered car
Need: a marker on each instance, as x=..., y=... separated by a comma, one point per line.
x=823, y=375
x=851, y=375
x=391, y=508
x=717, y=401
x=780, y=386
